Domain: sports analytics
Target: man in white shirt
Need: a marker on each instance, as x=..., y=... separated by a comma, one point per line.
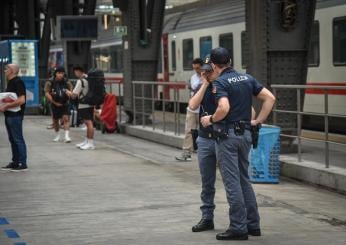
x=192, y=116
x=85, y=111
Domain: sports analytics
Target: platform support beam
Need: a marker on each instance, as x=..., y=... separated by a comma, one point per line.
x=278, y=37
x=141, y=48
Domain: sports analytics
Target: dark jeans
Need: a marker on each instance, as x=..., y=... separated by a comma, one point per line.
x=14, y=126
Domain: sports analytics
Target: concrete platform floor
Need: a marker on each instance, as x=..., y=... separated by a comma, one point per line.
x=131, y=191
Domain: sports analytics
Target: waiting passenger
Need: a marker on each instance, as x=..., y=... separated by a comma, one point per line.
x=56, y=93
x=85, y=111
x=14, y=119
x=192, y=116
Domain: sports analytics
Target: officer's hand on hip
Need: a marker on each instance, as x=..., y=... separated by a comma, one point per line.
x=205, y=121
x=254, y=122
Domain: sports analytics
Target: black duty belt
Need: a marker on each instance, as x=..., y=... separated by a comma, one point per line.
x=207, y=135
x=244, y=124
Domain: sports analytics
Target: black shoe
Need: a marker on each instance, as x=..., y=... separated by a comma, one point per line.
x=203, y=225
x=230, y=235
x=19, y=168
x=8, y=166
x=255, y=232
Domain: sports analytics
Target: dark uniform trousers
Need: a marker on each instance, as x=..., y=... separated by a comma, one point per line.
x=206, y=153
x=232, y=153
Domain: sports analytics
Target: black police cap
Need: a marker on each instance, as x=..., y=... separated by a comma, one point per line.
x=220, y=56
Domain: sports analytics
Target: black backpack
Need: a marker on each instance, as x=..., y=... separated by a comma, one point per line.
x=59, y=91
x=96, y=88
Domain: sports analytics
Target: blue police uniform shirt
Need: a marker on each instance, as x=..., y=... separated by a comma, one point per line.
x=239, y=89
x=208, y=105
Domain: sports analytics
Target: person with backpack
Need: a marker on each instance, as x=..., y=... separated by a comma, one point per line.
x=90, y=90
x=85, y=111
x=56, y=93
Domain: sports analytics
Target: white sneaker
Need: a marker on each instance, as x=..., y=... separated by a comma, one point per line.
x=67, y=139
x=83, y=127
x=57, y=138
x=87, y=146
x=81, y=144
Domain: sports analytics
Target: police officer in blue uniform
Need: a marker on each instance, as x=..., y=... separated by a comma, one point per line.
x=206, y=147
x=232, y=122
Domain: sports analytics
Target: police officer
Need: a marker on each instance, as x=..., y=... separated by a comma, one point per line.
x=205, y=100
x=232, y=118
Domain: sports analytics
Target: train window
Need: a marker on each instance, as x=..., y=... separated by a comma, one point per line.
x=173, y=61
x=339, y=41
x=243, y=50
x=226, y=41
x=187, y=54
x=314, y=48
x=205, y=45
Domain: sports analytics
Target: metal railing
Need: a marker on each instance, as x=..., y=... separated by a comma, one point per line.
x=299, y=112
x=144, y=101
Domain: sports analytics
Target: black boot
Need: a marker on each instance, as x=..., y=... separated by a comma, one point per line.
x=203, y=225
x=230, y=235
x=255, y=232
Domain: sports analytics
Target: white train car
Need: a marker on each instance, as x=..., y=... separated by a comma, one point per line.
x=194, y=32
x=328, y=61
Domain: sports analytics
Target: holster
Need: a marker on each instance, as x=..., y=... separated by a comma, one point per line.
x=255, y=135
x=194, y=133
x=239, y=128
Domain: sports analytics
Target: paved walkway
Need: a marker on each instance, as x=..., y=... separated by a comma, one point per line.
x=131, y=191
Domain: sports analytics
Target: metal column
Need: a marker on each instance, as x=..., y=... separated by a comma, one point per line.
x=141, y=48
x=278, y=34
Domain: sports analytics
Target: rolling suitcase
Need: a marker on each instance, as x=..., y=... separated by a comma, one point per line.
x=73, y=118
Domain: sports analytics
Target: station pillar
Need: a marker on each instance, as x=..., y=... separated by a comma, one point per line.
x=278, y=34
x=141, y=47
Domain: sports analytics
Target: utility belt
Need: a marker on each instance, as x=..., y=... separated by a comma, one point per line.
x=206, y=135
x=220, y=130
x=240, y=126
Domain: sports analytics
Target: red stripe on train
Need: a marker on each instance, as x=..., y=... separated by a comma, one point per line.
x=330, y=91
x=307, y=91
